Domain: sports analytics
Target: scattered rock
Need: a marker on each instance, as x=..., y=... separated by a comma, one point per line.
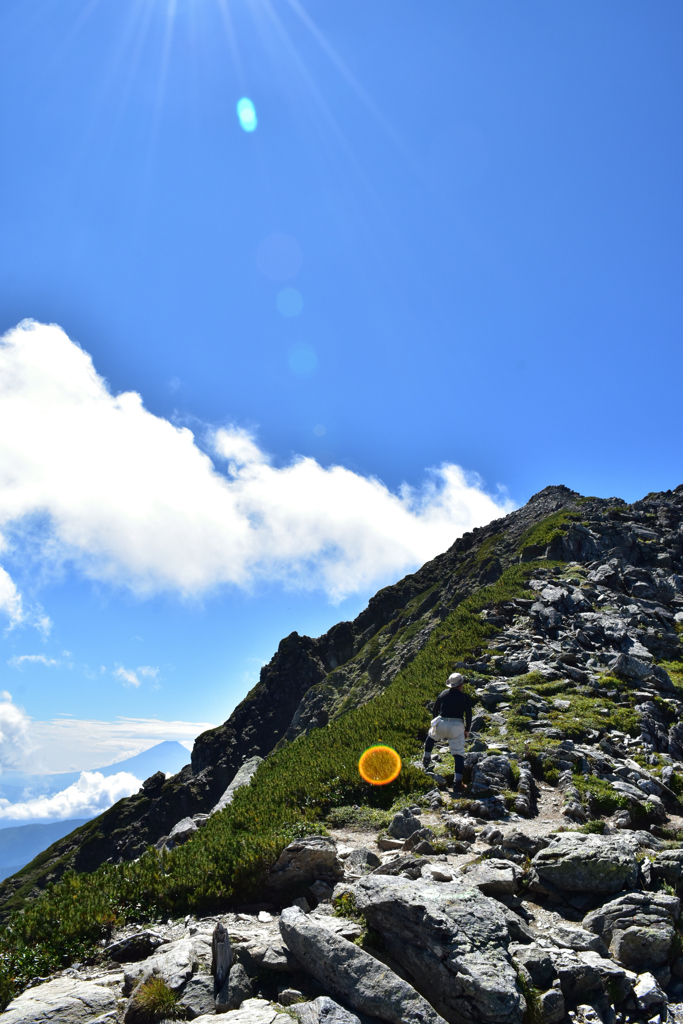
x=352, y=974
x=647, y=992
x=134, y=947
x=361, y=860
x=453, y=940
x=236, y=988
x=638, y=928
x=403, y=824
x=493, y=876
x=175, y=962
x=324, y=1010
x=303, y=862
x=243, y=777
x=573, y=862
x=62, y=1001
x=197, y=997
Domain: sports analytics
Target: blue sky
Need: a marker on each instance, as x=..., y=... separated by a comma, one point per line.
x=453, y=240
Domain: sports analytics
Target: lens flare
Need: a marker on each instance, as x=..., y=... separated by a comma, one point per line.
x=379, y=765
x=289, y=302
x=246, y=114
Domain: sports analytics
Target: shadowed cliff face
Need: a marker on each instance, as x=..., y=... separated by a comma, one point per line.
x=310, y=681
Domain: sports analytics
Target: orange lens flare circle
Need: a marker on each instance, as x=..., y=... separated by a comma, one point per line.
x=379, y=765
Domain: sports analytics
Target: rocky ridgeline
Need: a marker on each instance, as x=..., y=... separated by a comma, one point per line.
x=549, y=892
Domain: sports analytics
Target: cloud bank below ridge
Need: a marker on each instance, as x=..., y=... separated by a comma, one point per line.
x=129, y=498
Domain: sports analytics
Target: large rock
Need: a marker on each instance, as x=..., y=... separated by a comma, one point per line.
x=574, y=862
x=134, y=947
x=253, y=1011
x=323, y=1010
x=667, y=867
x=175, y=962
x=62, y=1001
x=361, y=860
x=352, y=974
x=243, y=777
x=303, y=862
x=493, y=877
x=197, y=997
x=234, y=991
x=638, y=928
x=453, y=940
x=491, y=775
x=581, y=974
x=403, y=824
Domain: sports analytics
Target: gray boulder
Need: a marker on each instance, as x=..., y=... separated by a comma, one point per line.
x=460, y=829
x=648, y=992
x=134, y=947
x=197, y=997
x=352, y=974
x=62, y=1001
x=493, y=877
x=667, y=866
x=181, y=832
x=638, y=928
x=452, y=940
x=581, y=974
x=404, y=864
x=574, y=862
x=569, y=936
x=403, y=824
x=243, y=777
x=324, y=1010
x=551, y=1006
x=361, y=860
x=253, y=1011
x=235, y=990
x=175, y=962
x=491, y=775
x=303, y=862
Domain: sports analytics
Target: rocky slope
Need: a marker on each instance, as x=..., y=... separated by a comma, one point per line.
x=549, y=892
x=307, y=683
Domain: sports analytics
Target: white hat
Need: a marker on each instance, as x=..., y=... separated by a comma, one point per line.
x=455, y=680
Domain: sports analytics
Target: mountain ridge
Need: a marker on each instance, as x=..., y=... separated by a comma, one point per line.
x=310, y=682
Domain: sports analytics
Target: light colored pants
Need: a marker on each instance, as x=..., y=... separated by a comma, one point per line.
x=451, y=729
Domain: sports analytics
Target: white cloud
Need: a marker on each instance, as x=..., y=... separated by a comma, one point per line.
x=127, y=676
x=10, y=599
x=67, y=744
x=148, y=671
x=130, y=677
x=15, y=741
x=92, y=794
x=130, y=498
x=33, y=659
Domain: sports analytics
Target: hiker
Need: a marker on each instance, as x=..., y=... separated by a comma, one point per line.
x=452, y=721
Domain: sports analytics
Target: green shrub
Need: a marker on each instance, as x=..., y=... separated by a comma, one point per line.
x=362, y=819
x=155, y=1001
x=593, y=828
x=600, y=795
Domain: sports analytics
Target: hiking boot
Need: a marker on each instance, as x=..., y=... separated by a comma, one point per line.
x=426, y=763
x=458, y=788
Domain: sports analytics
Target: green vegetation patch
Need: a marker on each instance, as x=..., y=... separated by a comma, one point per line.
x=293, y=792
x=599, y=795
x=545, y=532
x=359, y=819
x=155, y=1001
